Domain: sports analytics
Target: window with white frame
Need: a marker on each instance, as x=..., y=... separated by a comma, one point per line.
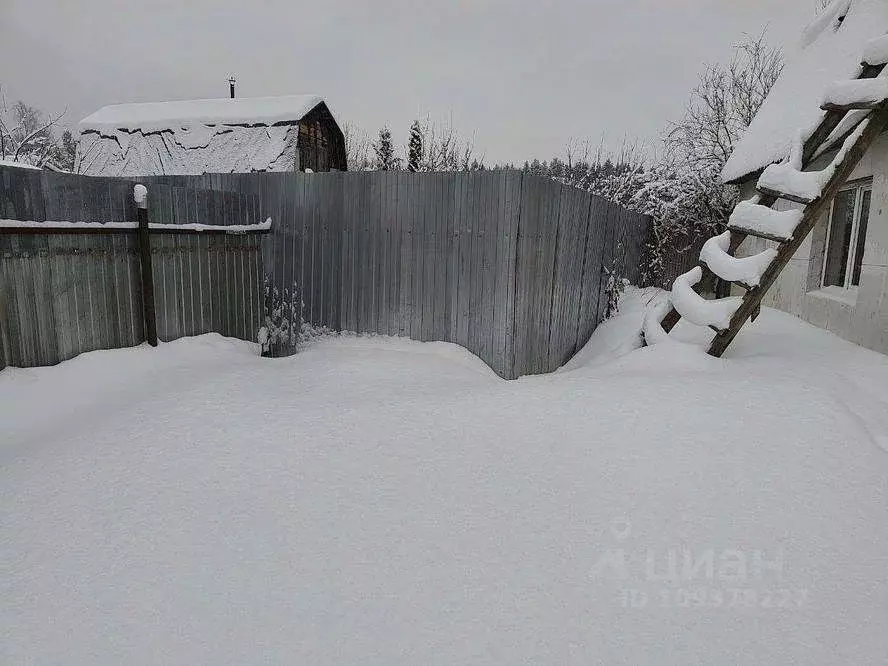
x=846, y=236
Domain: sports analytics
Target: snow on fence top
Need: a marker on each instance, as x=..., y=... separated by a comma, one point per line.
x=831, y=50
x=188, y=113
x=18, y=165
x=61, y=225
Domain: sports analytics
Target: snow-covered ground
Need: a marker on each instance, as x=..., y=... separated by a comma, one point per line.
x=380, y=501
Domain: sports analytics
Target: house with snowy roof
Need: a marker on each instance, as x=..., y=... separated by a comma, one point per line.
x=237, y=135
x=838, y=278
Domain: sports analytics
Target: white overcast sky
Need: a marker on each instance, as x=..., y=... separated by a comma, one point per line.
x=525, y=78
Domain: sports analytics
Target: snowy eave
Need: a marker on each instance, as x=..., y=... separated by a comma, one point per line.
x=831, y=50
x=159, y=116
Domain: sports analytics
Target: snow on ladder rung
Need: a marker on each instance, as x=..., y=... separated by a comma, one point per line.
x=764, y=222
x=876, y=51
x=696, y=309
x=855, y=94
x=786, y=182
x=746, y=271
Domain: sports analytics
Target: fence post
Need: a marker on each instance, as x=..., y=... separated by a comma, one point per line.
x=140, y=196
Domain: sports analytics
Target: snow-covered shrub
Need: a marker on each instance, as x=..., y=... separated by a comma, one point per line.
x=283, y=316
x=615, y=282
x=284, y=328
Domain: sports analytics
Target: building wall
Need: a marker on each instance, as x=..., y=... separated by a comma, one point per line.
x=861, y=316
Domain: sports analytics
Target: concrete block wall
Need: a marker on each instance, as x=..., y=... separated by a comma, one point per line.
x=859, y=315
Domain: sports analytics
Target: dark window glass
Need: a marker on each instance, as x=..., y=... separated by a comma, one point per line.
x=839, y=243
x=865, y=200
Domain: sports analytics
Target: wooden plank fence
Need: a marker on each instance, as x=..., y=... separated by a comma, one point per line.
x=67, y=291
x=504, y=263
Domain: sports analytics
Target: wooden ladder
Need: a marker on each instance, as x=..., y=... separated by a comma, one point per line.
x=857, y=143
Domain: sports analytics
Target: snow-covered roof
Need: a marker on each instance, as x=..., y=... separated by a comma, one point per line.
x=831, y=50
x=193, y=137
x=170, y=115
x=187, y=151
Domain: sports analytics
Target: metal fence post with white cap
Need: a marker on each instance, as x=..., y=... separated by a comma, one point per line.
x=140, y=196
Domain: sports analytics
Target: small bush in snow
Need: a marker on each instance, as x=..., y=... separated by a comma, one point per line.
x=616, y=283
x=283, y=316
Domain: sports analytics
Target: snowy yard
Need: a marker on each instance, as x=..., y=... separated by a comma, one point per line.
x=380, y=501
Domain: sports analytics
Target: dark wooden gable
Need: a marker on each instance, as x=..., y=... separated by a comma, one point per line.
x=321, y=143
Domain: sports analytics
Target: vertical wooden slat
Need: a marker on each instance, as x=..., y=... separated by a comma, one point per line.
x=365, y=254
x=10, y=330
x=487, y=239
x=60, y=291
x=405, y=254
x=214, y=283
x=335, y=222
x=464, y=247
x=417, y=238
x=514, y=188
x=244, y=287
x=201, y=286
x=346, y=260
x=327, y=245
x=163, y=285
x=445, y=258
x=384, y=251
x=44, y=296
x=441, y=211
x=310, y=203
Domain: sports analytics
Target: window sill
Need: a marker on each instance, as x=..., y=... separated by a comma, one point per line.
x=838, y=294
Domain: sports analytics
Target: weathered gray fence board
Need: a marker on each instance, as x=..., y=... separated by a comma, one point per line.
x=427, y=250
x=331, y=209
x=484, y=226
x=330, y=213
x=572, y=220
x=404, y=258
x=390, y=267
x=312, y=293
x=391, y=224
x=514, y=182
x=374, y=256
x=415, y=265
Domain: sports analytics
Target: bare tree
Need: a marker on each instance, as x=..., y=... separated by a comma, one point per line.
x=444, y=150
x=431, y=147
x=357, y=148
x=26, y=135
x=723, y=105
